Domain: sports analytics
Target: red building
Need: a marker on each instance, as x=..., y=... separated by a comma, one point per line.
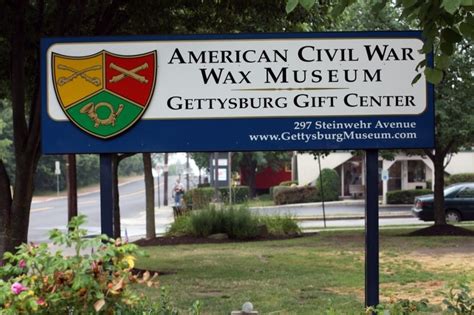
x=267, y=178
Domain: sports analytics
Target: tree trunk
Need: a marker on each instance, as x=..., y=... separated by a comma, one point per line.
x=250, y=174
x=439, y=211
x=150, y=197
x=22, y=196
x=71, y=186
x=5, y=210
x=25, y=135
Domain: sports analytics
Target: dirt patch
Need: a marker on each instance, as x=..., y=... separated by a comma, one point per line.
x=164, y=241
x=139, y=272
x=457, y=259
x=442, y=230
x=391, y=292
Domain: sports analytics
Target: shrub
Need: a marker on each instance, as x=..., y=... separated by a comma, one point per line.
x=405, y=196
x=331, y=184
x=240, y=194
x=201, y=197
x=276, y=189
x=237, y=223
x=400, y=307
x=181, y=226
x=295, y=195
x=459, y=299
x=36, y=281
x=240, y=223
x=188, y=199
x=460, y=178
x=288, y=183
x=280, y=225
x=204, y=185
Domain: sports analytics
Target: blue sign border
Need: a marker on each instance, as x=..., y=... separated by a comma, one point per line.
x=189, y=135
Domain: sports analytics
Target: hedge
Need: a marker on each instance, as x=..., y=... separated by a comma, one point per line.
x=275, y=189
x=460, y=178
x=405, y=196
x=199, y=198
x=295, y=195
x=331, y=184
x=240, y=194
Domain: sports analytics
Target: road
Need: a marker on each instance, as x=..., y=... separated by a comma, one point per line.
x=47, y=214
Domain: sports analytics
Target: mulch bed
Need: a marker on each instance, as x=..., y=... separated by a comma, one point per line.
x=164, y=241
x=442, y=230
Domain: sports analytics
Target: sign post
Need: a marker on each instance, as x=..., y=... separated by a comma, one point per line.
x=246, y=92
x=372, y=229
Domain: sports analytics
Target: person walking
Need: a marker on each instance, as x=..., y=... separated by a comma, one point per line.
x=178, y=191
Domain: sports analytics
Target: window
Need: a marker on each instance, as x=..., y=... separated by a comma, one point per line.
x=467, y=192
x=416, y=171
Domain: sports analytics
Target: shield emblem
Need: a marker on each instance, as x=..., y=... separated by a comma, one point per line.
x=104, y=94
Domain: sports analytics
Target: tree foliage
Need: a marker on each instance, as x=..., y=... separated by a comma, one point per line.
x=445, y=23
x=448, y=28
x=24, y=22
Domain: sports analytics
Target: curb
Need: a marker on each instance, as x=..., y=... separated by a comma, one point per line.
x=352, y=217
x=319, y=204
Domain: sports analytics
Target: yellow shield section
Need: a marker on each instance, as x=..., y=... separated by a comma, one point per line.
x=76, y=78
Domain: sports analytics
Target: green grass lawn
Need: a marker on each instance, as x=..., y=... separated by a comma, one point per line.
x=311, y=274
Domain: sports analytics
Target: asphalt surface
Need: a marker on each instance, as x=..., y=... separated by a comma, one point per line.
x=50, y=213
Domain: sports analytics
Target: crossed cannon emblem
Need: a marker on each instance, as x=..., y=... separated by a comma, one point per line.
x=91, y=109
x=128, y=73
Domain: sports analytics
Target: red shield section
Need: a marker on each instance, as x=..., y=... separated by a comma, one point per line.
x=131, y=77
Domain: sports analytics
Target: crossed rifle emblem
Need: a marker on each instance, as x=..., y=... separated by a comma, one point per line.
x=124, y=73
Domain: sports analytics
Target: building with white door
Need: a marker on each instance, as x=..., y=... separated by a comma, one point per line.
x=404, y=171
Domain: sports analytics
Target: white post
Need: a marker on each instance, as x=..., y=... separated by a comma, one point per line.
x=229, y=175
x=342, y=180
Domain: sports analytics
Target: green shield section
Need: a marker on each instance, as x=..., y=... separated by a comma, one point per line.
x=95, y=116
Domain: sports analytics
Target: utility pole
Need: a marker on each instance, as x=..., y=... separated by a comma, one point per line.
x=165, y=181
x=187, y=171
x=71, y=183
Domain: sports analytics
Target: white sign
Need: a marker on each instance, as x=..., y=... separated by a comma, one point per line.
x=57, y=168
x=286, y=77
x=222, y=174
x=385, y=175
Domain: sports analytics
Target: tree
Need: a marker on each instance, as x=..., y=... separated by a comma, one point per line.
x=24, y=22
x=249, y=163
x=444, y=23
x=454, y=119
x=116, y=159
x=448, y=28
x=150, y=197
